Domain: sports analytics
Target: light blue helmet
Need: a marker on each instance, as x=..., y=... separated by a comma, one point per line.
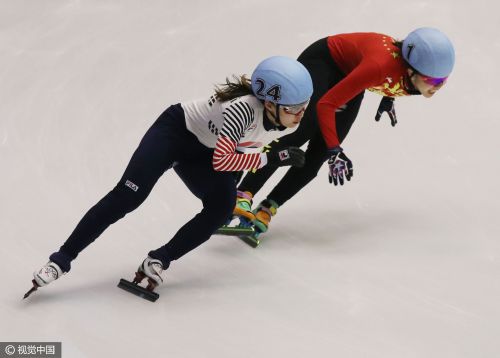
x=429, y=51
x=282, y=80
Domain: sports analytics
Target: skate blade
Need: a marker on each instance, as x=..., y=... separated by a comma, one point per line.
x=33, y=289
x=251, y=240
x=246, y=234
x=235, y=231
x=138, y=290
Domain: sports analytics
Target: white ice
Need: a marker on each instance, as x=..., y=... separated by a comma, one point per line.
x=401, y=262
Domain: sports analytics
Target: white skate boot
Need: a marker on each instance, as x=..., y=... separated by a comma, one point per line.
x=48, y=273
x=152, y=269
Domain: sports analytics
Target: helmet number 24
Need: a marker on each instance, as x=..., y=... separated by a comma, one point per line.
x=273, y=91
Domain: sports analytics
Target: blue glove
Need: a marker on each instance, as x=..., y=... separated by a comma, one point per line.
x=339, y=166
x=387, y=105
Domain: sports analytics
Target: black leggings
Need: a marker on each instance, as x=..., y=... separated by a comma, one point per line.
x=325, y=74
x=166, y=144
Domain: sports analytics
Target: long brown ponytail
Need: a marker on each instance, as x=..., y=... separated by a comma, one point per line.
x=237, y=87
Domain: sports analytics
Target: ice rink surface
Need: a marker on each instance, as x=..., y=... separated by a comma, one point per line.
x=401, y=262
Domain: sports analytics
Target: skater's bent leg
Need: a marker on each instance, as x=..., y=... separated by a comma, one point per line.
x=147, y=164
x=217, y=190
x=114, y=206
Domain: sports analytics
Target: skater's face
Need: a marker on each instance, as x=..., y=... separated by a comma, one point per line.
x=427, y=86
x=290, y=116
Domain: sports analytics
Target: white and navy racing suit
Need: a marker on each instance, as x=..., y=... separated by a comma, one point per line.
x=205, y=142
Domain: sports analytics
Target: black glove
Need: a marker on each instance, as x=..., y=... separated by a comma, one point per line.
x=339, y=166
x=387, y=105
x=286, y=156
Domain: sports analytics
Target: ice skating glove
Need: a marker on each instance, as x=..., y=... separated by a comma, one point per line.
x=387, y=105
x=288, y=156
x=340, y=166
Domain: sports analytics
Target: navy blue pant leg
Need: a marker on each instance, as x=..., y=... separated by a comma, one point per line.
x=166, y=143
x=217, y=191
x=156, y=152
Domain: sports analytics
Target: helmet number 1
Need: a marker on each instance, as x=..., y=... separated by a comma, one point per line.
x=273, y=91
